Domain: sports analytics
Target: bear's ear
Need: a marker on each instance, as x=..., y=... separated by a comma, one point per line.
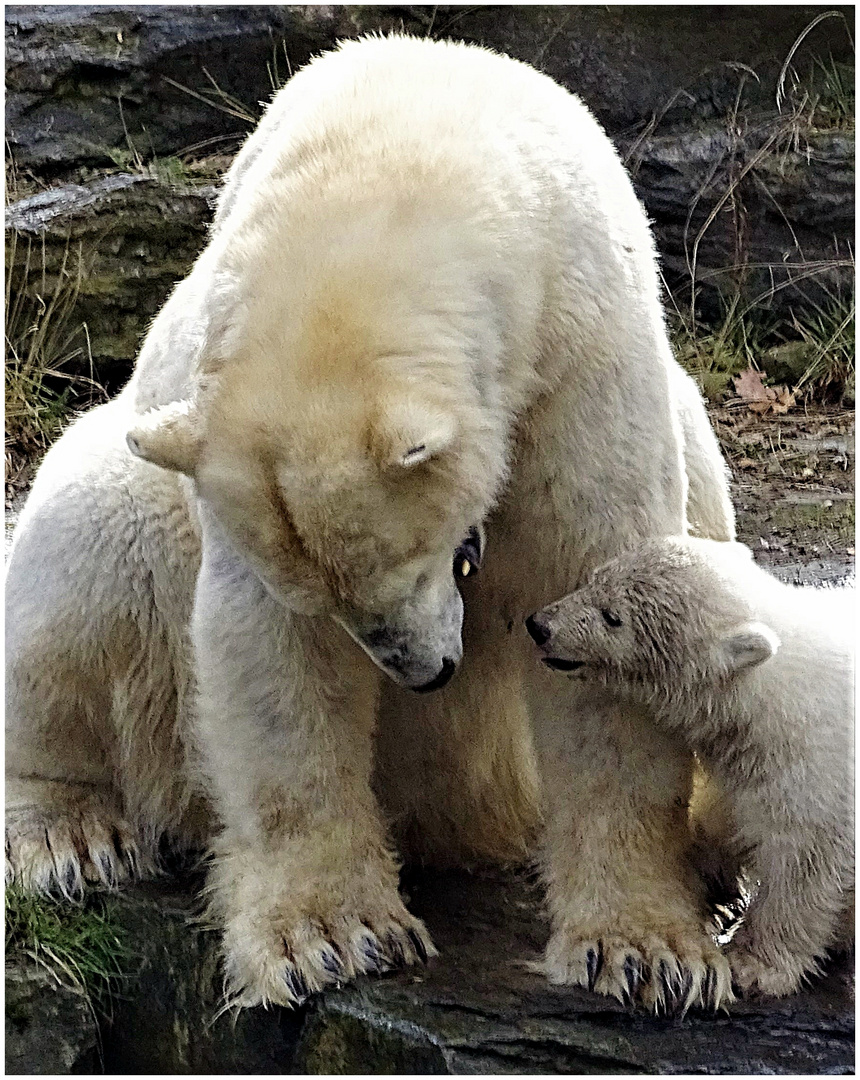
x=748, y=645
x=169, y=437
x=409, y=434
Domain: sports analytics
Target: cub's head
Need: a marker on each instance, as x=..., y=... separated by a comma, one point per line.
x=354, y=499
x=662, y=617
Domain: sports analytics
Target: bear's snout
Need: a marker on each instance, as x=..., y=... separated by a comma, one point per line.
x=538, y=629
x=442, y=679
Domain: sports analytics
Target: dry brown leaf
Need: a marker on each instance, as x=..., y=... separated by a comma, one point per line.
x=761, y=399
x=750, y=388
x=783, y=401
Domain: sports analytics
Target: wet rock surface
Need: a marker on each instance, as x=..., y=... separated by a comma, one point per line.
x=475, y=1009
x=50, y=1028
x=754, y=209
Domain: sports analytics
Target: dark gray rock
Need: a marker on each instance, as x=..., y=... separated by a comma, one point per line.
x=473, y=1010
x=68, y=68
x=50, y=1028
x=165, y=1016
x=115, y=246
x=631, y=63
x=476, y=1010
x=83, y=81
x=763, y=214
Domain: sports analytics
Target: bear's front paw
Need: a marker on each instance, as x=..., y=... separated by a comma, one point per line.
x=279, y=953
x=755, y=977
x=644, y=968
x=55, y=849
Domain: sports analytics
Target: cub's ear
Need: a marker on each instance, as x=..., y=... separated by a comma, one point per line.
x=748, y=645
x=169, y=437
x=409, y=433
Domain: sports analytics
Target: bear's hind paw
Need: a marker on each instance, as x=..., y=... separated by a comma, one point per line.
x=58, y=855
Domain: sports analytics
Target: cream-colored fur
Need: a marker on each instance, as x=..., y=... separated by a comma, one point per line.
x=757, y=678
x=710, y=513
x=429, y=301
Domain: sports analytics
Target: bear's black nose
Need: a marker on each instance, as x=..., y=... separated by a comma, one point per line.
x=444, y=676
x=537, y=630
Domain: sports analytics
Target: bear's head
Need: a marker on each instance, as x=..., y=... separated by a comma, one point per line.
x=346, y=472
x=661, y=619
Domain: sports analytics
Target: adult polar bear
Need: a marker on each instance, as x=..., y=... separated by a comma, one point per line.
x=429, y=300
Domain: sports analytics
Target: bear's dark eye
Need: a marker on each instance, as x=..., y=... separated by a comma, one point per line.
x=467, y=557
x=610, y=618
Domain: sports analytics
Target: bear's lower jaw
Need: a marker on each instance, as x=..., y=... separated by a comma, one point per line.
x=558, y=664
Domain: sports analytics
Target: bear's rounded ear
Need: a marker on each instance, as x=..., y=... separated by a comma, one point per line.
x=748, y=645
x=409, y=433
x=169, y=437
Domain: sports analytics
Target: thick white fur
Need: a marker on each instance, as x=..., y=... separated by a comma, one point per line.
x=757, y=678
x=429, y=301
x=710, y=512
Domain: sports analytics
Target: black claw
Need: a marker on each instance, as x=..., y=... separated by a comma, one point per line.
x=332, y=963
x=632, y=975
x=417, y=945
x=592, y=964
x=296, y=985
x=107, y=869
x=70, y=879
x=375, y=959
x=395, y=948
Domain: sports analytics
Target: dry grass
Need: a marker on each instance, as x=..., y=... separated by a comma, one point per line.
x=44, y=353
x=820, y=99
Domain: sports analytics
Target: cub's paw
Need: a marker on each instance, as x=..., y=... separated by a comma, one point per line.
x=281, y=955
x=642, y=968
x=58, y=849
x=755, y=977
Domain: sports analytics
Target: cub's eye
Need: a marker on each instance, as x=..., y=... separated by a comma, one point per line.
x=610, y=618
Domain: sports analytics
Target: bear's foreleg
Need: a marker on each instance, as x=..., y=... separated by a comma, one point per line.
x=627, y=907
x=304, y=884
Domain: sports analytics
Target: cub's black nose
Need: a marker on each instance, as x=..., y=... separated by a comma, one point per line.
x=537, y=630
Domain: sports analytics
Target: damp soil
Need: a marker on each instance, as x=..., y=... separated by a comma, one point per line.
x=793, y=488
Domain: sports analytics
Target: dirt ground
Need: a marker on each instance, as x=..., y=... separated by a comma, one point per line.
x=793, y=488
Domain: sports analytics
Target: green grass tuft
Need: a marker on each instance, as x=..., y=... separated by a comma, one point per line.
x=81, y=947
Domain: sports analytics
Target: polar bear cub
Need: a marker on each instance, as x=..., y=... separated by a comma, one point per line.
x=756, y=676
